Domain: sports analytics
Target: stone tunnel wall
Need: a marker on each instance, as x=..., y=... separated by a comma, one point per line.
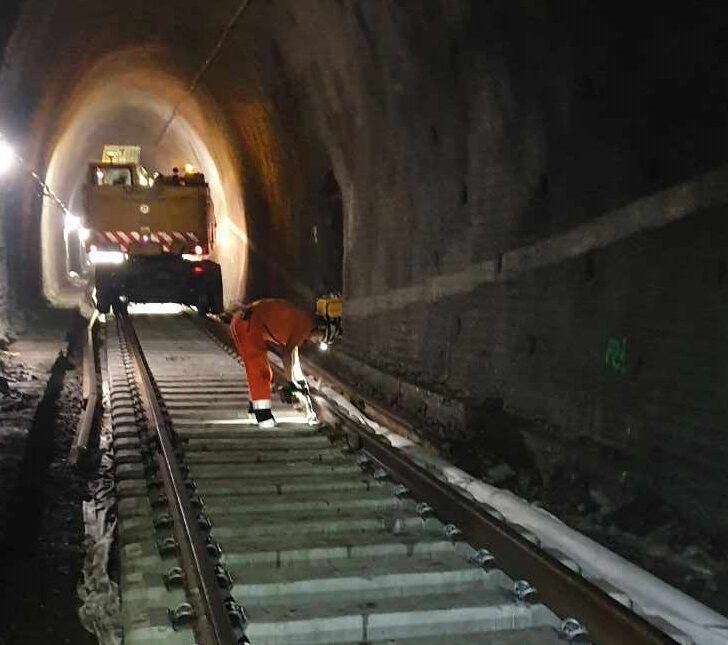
x=460, y=132
x=8, y=15
x=450, y=134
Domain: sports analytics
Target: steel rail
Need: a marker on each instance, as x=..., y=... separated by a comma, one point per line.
x=90, y=388
x=565, y=592
x=212, y=623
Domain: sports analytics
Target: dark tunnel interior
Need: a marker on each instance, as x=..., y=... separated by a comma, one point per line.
x=523, y=205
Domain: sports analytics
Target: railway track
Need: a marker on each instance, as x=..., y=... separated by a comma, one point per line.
x=231, y=534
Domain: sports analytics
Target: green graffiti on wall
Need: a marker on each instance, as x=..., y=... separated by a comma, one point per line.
x=616, y=355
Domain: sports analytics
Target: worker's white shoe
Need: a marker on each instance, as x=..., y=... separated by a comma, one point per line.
x=265, y=419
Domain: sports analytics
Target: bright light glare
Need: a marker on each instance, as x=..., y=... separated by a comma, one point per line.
x=223, y=233
x=84, y=234
x=71, y=222
x=105, y=257
x=323, y=346
x=7, y=157
x=191, y=258
x=198, y=250
x=152, y=308
x=189, y=169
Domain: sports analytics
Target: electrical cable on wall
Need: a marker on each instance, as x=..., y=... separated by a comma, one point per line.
x=205, y=65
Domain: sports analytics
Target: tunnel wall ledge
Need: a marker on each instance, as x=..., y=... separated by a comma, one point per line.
x=448, y=414
x=654, y=211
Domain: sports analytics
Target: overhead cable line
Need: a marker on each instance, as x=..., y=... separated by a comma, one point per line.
x=205, y=65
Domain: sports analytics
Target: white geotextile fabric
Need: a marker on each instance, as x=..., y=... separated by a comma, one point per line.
x=100, y=612
x=650, y=595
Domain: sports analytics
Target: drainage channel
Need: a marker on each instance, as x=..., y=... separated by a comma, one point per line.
x=318, y=541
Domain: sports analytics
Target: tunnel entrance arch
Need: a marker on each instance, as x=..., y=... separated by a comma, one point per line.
x=147, y=106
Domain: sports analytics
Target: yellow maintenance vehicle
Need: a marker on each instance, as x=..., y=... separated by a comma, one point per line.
x=149, y=238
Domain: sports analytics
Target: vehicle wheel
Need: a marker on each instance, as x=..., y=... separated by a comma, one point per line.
x=103, y=302
x=217, y=306
x=120, y=306
x=203, y=304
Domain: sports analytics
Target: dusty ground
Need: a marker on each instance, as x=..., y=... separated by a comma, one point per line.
x=625, y=514
x=41, y=534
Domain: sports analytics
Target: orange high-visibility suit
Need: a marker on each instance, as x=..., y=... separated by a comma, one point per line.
x=267, y=321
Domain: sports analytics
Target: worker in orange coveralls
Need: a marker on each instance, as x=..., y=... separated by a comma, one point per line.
x=283, y=324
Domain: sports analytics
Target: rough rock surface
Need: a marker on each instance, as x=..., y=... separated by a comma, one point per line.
x=41, y=536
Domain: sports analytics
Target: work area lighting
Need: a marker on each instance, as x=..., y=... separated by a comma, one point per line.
x=7, y=156
x=105, y=257
x=71, y=222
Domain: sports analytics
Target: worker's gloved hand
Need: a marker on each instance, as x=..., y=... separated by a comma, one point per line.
x=288, y=392
x=302, y=387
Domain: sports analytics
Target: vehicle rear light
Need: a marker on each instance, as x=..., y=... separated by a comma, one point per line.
x=198, y=269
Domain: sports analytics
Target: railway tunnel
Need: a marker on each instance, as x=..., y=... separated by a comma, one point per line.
x=523, y=205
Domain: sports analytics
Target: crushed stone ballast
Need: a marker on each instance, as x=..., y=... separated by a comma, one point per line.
x=309, y=534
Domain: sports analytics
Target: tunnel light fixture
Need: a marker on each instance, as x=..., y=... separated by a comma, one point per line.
x=7, y=156
x=105, y=257
x=323, y=347
x=189, y=169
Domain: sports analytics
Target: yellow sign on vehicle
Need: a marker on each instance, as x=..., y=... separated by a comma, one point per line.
x=121, y=154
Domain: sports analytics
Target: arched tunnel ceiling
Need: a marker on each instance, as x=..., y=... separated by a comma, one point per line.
x=126, y=99
x=77, y=84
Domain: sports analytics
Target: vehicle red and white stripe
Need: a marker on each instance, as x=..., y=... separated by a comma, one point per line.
x=125, y=238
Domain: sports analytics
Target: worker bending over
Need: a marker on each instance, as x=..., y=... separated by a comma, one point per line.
x=283, y=324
